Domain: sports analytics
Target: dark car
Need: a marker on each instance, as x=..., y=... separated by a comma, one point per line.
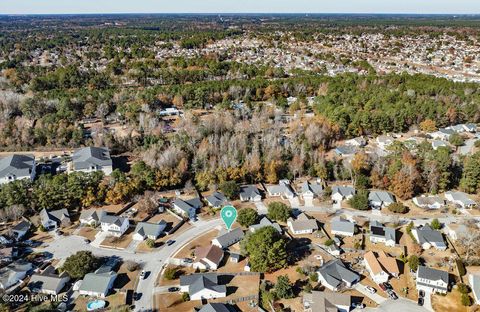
x=421, y=293
x=137, y=296
x=388, y=286
x=173, y=289
x=420, y=301
x=170, y=242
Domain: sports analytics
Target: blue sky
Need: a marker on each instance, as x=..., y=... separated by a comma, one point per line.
x=239, y=6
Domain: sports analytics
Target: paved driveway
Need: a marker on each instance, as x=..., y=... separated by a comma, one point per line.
x=375, y=297
x=400, y=305
x=294, y=202
x=261, y=208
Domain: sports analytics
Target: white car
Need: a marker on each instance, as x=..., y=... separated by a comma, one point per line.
x=370, y=289
x=143, y=274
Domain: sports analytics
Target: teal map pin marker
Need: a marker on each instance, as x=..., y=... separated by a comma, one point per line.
x=229, y=215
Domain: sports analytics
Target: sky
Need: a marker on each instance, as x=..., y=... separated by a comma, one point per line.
x=239, y=6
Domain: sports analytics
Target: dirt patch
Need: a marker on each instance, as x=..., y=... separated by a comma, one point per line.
x=204, y=240
x=174, y=303
x=88, y=232
x=125, y=279
x=121, y=242
x=451, y=302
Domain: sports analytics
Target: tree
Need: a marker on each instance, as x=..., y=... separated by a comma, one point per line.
x=247, y=217
x=466, y=300
x=230, y=188
x=150, y=243
x=435, y=224
x=428, y=125
x=470, y=181
x=81, y=263
x=456, y=140
x=398, y=208
x=359, y=201
x=283, y=288
x=266, y=249
x=413, y=263
x=170, y=273
x=279, y=211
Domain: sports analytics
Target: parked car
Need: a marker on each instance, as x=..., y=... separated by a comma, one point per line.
x=170, y=242
x=173, y=289
x=420, y=301
x=382, y=287
x=358, y=305
x=392, y=294
x=388, y=286
x=370, y=289
x=421, y=293
x=143, y=274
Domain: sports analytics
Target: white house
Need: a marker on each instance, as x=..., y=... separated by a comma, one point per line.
x=456, y=230
x=383, y=141
x=334, y=275
x=322, y=301
x=342, y=227
x=310, y=190
x=145, y=230
x=282, y=189
x=55, y=218
x=381, y=266
x=461, y=199
x=442, y=134
x=250, y=193
x=14, y=273
x=432, y=280
x=91, y=159
x=340, y=193
x=202, y=286
x=429, y=202
x=17, y=167
x=380, y=199
x=358, y=142
x=91, y=217
x=428, y=238
x=382, y=234
x=48, y=281
x=302, y=225
x=20, y=229
x=99, y=283
x=208, y=258
x=114, y=226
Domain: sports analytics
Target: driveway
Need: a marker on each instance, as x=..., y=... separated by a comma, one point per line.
x=375, y=297
x=399, y=305
x=428, y=302
x=294, y=203
x=261, y=208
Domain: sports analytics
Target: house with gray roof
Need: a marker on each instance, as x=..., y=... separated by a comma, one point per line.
x=202, y=286
x=310, y=190
x=340, y=193
x=428, y=237
x=380, y=199
x=263, y=223
x=20, y=229
x=226, y=238
x=436, y=144
x=149, y=230
x=382, y=234
x=335, y=275
x=358, y=141
x=91, y=217
x=442, y=134
x=91, y=159
x=17, y=167
x=346, y=150
x=98, y=283
x=429, y=201
x=13, y=273
x=187, y=208
x=282, y=189
x=54, y=218
x=250, y=193
x=432, y=280
x=216, y=307
x=323, y=301
x=216, y=200
x=460, y=199
x=342, y=227
x=302, y=224
x=48, y=281
x=114, y=225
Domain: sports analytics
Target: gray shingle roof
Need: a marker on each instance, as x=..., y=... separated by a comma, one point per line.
x=265, y=222
x=342, y=225
x=315, y=188
x=381, y=196
x=215, y=307
x=249, y=191
x=87, y=157
x=188, y=205
x=47, y=280
x=91, y=213
x=112, y=220
x=378, y=230
x=432, y=275
x=228, y=238
x=217, y=199
x=428, y=235
x=16, y=165
x=150, y=229
x=335, y=272
x=98, y=281
x=55, y=215
x=343, y=190
x=303, y=222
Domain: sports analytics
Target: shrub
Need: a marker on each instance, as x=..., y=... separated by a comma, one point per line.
x=435, y=224
x=461, y=267
x=283, y=287
x=247, y=217
x=170, y=274
x=185, y=297
x=360, y=200
x=466, y=300
x=279, y=211
x=413, y=263
x=132, y=266
x=313, y=277
x=398, y=208
x=150, y=243
x=329, y=242
x=463, y=288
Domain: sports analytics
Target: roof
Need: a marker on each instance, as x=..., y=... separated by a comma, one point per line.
x=280, y=188
x=432, y=274
x=8, y=273
x=188, y=205
x=199, y=282
x=212, y=253
x=98, y=282
x=47, y=280
x=228, y=238
x=379, y=230
x=461, y=197
x=345, y=191
x=217, y=199
x=459, y=229
x=428, y=235
x=265, y=222
x=345, y=150
x=335, y=272
x=55, y=215
x=215, y=307
x=381, y=262
x=16, y=165
x=323, y=301
x=87, y=157
x=342, y=225
x=113, y=220
x=303, y=222
x=381, y=196
x=315, y=188
x=22, y=226
x=249, y=191
x=429, y=200
x=475, y=284
x=94, y=214
x=150, y=229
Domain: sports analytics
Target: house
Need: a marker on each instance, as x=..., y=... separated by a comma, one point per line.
x=311, y=190
x=17, y=167
x=456, y=231
x=302, y=225
x=187, y=208
x=226, y=238
x=333, y=249
x=460, y=199
x=428, y=237
x=322, y=301
x=55, y=218
x=215, y=307
x=432, y=280
x=436, y=144
x=20, y=229
x=383, y=141
x=263, y=223
x=250, y=193
x=48, y=281
x=282, y=189
x=208, y=258
x=14, y=273
x=98, y=283
x=346, y=150
x=216, y=200
x=442, y=134
x=334, y=275
x=358, y=142
x=113, y=225
x=470, y=127
x=149, y=230
x=429, y=202
x=380, y=199
x=340, y=193
x=91, y=217
x=91, y=159
x=342, y=227
x=474, y=281
x=382, y=234
x=381, y=266
x=6, y=254
x=202, y=286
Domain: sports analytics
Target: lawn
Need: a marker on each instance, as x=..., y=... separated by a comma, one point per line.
x=88, y=232
x=450, y=302
x=121, y=242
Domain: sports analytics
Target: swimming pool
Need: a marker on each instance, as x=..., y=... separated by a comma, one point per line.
x=95, y=305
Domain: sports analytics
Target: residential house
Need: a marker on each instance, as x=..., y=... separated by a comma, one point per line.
x=428, y=237
x=334, y=275
x=14, y=273
x=460, y=199
x=91, y=217
x=149, y=230
x=216, y=307
x=380, y=199
x=432, y=280
x=436, y=144
x=202, y=286
x=346, y=150
x=461, y=128
x=442, y=134
x=382, y=234
x=340, y=193
x=187, y=208
x=208, y=258
x=383, y=141
x=216, y=200
x=226, y=238
x=20, y=229
x=48, y=281
x=456, y=230
x=91, y=159
x=429, y=202
x=381, y=266
x=114, y=225
x=263, y=223
x=323, y=301
x=333, y=249
x=98, y=283
x=282, y=189
x=311, y=190
x=358, y=142
x=17, y=167
x=474, y=281
x=53, y=219
x=342, y=227
x=302, y=225
x=250, y=193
